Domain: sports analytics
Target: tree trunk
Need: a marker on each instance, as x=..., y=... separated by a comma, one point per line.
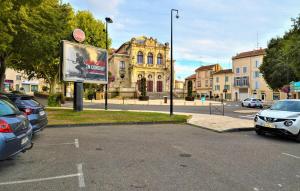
x=2, y=73
x=53, y=84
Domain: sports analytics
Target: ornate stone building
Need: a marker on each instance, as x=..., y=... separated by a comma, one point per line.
x=137, y=58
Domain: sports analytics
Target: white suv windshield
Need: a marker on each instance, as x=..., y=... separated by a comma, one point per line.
x=293, y=106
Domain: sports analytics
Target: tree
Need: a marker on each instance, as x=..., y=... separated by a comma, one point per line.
x=281, y=64
x=292, y=46
x=94, y=29
x=47, y=25
x=275, y=68
x=12, y=16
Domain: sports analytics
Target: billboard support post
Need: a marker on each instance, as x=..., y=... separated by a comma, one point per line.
x=78, y=96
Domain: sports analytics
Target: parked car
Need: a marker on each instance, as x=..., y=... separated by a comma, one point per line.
x=282, y=118
x=15, y=130
x=32, y=108
x=252, y=102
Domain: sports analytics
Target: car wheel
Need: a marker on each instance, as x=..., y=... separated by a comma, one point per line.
x=259, y=131
x=249, y=105
x=261, y=107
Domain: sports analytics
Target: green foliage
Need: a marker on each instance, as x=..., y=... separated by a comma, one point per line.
x=190, y=89
x=94, y=29
x=275, y=68
x=89, y=94
x=12, y=15
x=281, y=64
x=31, y=32
x=143, y=87
x=45, y=88
x=54, y=100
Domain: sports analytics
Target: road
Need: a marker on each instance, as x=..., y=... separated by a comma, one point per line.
x=229, y=110
x=153, y=157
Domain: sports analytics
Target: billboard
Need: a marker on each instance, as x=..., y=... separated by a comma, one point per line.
x=83, y=63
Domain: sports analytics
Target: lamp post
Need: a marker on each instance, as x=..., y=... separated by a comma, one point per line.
x=171, y=83
x=107, y=20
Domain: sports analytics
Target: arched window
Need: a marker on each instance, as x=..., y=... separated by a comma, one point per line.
x=159, y=58
x=140, y=58
x=150, y=58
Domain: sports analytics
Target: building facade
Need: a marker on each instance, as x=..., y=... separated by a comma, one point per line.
x=191, y=78
x=204, y=79
x=248, y=81
x=138, y=58
x=17, y=81
x=223, y=84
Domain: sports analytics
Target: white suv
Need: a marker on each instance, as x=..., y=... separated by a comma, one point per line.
x=281, y=118
x=252, y=102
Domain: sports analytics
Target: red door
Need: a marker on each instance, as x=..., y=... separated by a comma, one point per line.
x=149, y=86
x=159, y=86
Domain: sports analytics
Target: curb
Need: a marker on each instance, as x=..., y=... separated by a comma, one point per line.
x=224, y=131
x=113, y=124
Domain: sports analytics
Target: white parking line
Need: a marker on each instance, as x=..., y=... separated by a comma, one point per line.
x=40, y=179
x=247, y=116
x=55, y=144
x=179, y=148
x=76, y=143
x=294, y=156
x=80, y=177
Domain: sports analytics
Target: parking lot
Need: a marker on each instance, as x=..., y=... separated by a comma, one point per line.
x=153, y=157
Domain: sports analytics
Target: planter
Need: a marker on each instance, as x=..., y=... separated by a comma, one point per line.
x=144, y=98
x=189, y=98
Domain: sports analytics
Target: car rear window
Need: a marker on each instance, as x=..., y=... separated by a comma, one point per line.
x=29, y=101
x=7, y=108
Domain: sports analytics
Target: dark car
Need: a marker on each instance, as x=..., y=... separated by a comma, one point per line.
x=33, y=109
x=15, y=130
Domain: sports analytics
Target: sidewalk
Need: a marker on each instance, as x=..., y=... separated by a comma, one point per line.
x=217, y=123
x=220, y=123
x=155, y=102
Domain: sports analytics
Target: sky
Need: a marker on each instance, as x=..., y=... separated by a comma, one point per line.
x=207, y=31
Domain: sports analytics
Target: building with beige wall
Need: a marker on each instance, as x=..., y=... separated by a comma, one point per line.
x=17, y=81
x=223, y=84
x=204, y=79
x=248, y=81
x=140, y=57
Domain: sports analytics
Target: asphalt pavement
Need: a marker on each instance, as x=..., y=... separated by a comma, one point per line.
x=153, y=157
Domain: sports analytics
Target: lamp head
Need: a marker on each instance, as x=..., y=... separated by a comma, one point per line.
x=177, y=16
x=108, y=20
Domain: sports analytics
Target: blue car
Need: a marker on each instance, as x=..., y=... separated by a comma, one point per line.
x=33, y=109
x=15, y=130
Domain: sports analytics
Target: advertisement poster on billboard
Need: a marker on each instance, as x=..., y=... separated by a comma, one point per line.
x=83, y=63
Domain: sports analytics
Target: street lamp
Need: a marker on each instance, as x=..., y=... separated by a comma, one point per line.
x=171, y=84
x=107, y=20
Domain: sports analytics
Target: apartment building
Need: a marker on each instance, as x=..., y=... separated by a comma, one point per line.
x=204, y=79
x=223, y=84
x=248, y=81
